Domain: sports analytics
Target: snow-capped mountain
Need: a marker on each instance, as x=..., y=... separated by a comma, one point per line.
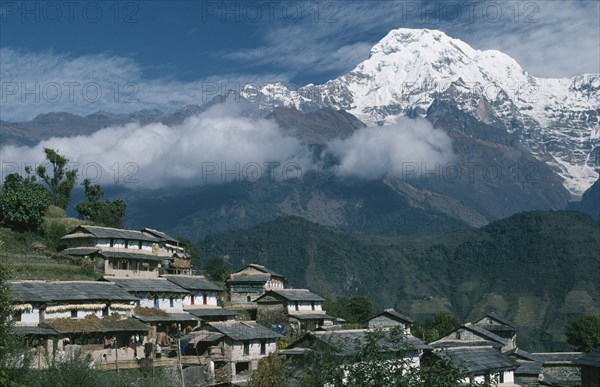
x=556, y=119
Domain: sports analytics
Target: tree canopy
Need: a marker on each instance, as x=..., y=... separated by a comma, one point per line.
x=105, y=212
x=23, y=203
x=61, y=181
x=584, y=333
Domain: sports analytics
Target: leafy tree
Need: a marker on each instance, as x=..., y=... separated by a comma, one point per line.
x=434, y=328
x=106, y=212
x=217, y=269
x=272, y=371
x=23, y=203
x=62, y=180
x=360, y=309
x=584, y=333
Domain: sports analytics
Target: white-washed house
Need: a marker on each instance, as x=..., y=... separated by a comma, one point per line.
x=246, y=285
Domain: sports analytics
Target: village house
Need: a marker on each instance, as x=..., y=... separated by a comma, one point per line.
x=472, y=335
x=500, y=326
x=389, y=318
x=246, y=285
x=529, y=371
x=300, y=309
x=202, y=292
x=590, y=368
x=344, y=342
x=127, y=253
x=234, y=348
x=481, y=364
x=39, y=301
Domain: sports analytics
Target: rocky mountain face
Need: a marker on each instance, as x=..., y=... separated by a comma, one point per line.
x=590, y=202
x=408, y=71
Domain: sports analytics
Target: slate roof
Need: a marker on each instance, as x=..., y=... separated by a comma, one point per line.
x=264, y=270
x=485, y=333
x=85, y=231
x=292, y=295
x=57, y=291
x=479, y=361
x=160, y=235
x=34, y=330
x=243, y=330
x=454, y=343
x=391, y=312
x=191, y=282
x=521, y=354
x=154, y=285
x=559, y=358
x=131, y=255
x=502, y=320
x=171, y=317
x=311, y=316
x=591, y=359
x=210, y=312
x=259, y=278
x=80, y=251
x=346, y=341
x=528, y=368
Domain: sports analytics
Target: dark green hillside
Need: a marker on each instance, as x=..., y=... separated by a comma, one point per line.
x=538, y=268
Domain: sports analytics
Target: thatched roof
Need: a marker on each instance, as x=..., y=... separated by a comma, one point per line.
x=139, y=311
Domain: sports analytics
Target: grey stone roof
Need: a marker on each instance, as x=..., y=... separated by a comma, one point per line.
x=192, y=282
x=264, y=270
x=132, y=255
x=244, y=278
x=479, y=361
x=508, y=325
x=85, y=231
x=243, y=330
x=311, y=316
x=521, y=354
x=160, y=235
x=591, y=359
x=56, y=291
x=485, y=333
x=465, y=343
x=171, y=317
x=391, y=312
x=292, y=295
x=34, y=330
x=154, y=285
x=528, y=368
x=80, y=251
x=559, y=358
x=210, y=312
x=347, y=341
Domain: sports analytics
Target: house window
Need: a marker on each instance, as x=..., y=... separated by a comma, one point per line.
x=171, y=302
x=126, y=243
x=140, y=245
x=248, y=299
x=296, y=305
x=112, y=242
x=193, y=299
x=17, y=315
x=204, y=299
x=156, y=302
x=263, y=347
x=105, y=311
x=312, y=305
x=73, y=313
x=246, y=348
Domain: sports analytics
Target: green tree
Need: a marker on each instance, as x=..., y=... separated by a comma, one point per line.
x=584, y=333
x=217, y=269
x=23, y=203
x=272, y=371
x=434, y=328
x=360, y=309
x=62, y=180
x=105, y=212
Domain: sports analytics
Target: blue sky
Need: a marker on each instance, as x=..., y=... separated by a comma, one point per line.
x=165, y=54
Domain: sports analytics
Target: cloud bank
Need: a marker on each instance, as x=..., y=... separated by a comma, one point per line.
x=392, y=151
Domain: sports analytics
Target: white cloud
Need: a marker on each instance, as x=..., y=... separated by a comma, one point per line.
x=219, y=145
x=392, y=151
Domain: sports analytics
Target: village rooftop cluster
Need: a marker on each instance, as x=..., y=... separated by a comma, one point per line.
x=148, y=309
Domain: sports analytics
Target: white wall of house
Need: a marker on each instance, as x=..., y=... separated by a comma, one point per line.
x=199, y=298
x=29, y=317
x=304, y=306
x=81, y=313
x=138, y=270
x=235, y=352
x=164, y=301
x=509, y=378
x=274, y=284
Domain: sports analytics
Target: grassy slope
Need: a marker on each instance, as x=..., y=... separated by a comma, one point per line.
x=538, y=268
x=26, y=262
